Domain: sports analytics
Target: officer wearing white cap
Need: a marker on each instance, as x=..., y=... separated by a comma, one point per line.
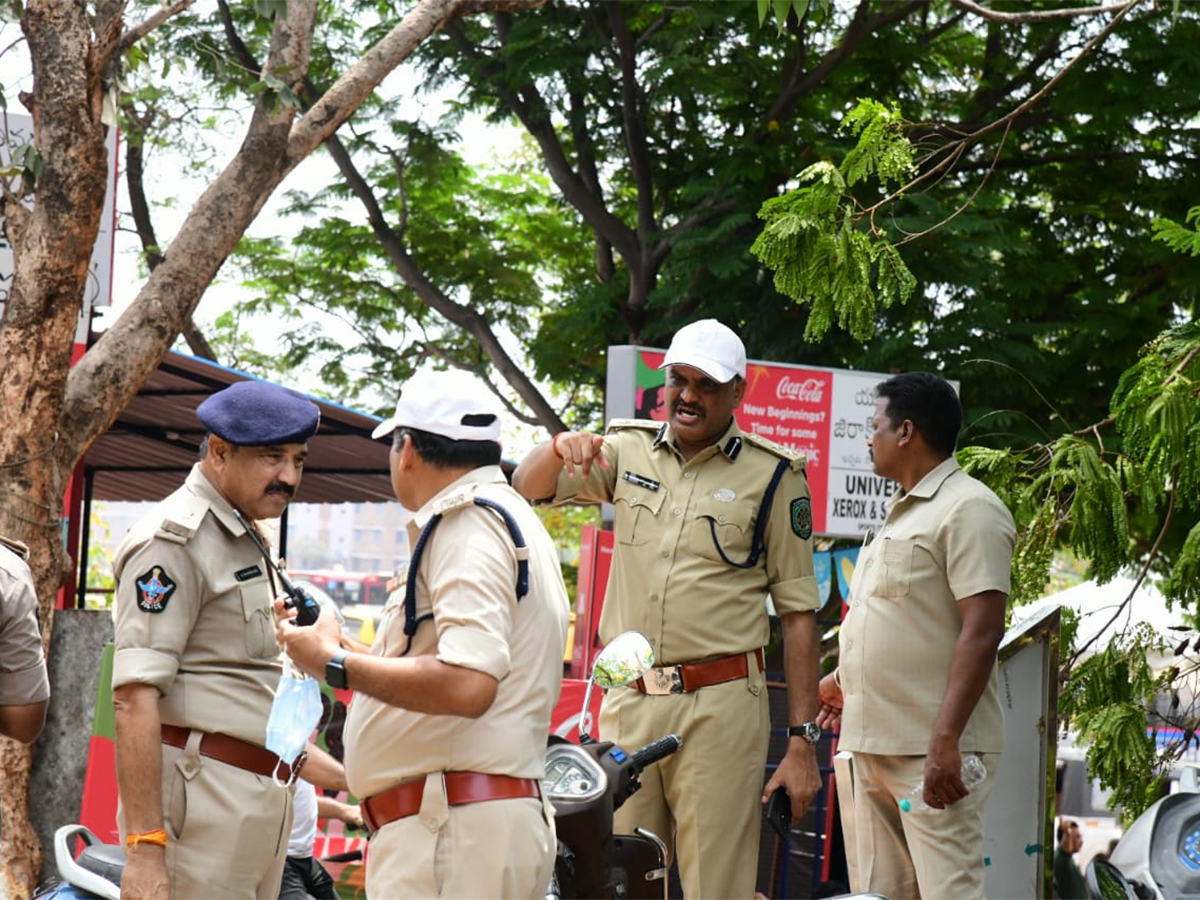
x=196, y=662
x=446, y=736
x=24, y=685
x=709, y=521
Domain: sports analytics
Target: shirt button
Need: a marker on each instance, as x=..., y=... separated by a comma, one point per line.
x=755, y=689
x=688, y=474
x=666, y=554
x=677, y=511
x=654, y=598
x=720, y=518
x=849, y=645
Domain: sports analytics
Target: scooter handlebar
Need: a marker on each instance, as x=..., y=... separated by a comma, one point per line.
x=655, y=750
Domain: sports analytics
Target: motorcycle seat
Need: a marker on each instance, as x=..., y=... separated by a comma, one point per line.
x=105, y=860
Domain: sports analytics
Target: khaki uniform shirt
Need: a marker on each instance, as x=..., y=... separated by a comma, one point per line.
x=467, y=579
x=23, y=676
x=947, y=539
x=193, y=615
x=673, y=521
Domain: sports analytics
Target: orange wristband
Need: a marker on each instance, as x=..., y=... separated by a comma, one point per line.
x=158, y=837
x=554, y=445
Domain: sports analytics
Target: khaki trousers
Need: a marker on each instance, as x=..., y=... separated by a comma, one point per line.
x=227, y=828
x=494, y=849
x=705, y=800
x=933, y=854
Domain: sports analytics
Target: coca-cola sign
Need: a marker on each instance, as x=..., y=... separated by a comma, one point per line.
x=810, y=390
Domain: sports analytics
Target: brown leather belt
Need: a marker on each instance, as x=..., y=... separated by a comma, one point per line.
x=461, y=788
x=234, y=752
x=692, y=676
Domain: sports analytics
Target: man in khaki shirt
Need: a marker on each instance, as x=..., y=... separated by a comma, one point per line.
x=196, y=663
x=916, y=685
x=24, y=685
x=446, y=736
x=694, y=561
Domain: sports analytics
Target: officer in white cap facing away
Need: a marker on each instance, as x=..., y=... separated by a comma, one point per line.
x=446, y=735
x=709, y=520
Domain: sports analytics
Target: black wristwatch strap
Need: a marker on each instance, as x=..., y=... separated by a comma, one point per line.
x=810, y=731
x=335, y=670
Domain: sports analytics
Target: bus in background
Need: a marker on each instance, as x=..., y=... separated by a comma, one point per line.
x=348, y=588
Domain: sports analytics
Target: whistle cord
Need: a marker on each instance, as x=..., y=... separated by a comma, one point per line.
x=411, y=620
x=764, y=513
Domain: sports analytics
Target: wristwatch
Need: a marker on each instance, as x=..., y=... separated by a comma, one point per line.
x=335, y=670
x=810, y=731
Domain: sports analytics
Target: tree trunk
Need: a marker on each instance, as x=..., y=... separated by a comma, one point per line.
x=52, y=413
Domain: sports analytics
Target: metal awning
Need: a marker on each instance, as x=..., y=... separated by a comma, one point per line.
x=150, y=449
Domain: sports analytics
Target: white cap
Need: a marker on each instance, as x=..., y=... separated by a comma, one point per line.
x=454, y=404
x=709, y=346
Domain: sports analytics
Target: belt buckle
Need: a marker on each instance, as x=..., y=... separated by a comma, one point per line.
x=663, y=680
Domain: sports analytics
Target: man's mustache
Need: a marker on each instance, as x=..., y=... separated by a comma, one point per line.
x=278, y=487
x=694, y=410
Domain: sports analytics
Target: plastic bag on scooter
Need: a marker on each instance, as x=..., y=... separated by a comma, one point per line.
x=295, y=712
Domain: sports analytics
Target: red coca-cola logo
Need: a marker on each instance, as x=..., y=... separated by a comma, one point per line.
x=810, y=390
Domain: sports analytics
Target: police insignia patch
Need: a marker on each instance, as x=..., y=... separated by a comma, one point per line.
x=802, y=517
x=154, y=589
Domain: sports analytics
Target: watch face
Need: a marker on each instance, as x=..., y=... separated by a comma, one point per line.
x=810, y=731
x=335, y=673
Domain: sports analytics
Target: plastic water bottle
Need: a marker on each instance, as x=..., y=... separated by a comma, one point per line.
x=972, y=773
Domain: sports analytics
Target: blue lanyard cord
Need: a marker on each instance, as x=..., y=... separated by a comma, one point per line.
x=411, y=620
x=756, y=547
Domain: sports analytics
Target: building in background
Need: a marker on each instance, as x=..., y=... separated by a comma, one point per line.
x=351, y=550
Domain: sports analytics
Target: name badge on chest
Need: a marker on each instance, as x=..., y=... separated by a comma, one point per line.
x=641, y=481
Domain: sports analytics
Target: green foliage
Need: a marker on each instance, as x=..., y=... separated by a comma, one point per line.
x=1108, y=700
x=1178, y=237
x=782, y=9
x=564, y=524
x=824, y=247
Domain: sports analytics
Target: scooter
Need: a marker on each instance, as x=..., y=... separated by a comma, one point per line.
x=1158, y=857
x=587, y=782
x=95, y=873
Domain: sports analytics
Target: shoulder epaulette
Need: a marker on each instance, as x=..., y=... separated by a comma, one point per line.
x=796, y=459
x=648, y=424
x=463, y=496
x=181, y=525
x=18, y=547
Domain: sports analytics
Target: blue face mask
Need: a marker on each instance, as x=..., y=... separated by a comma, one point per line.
x=295, y=712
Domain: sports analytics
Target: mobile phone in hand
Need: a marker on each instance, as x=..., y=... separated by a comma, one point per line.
x=779, y=811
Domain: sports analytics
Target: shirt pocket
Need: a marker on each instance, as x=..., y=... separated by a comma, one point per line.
x=728, y=526
x=896, y=560
x=636, y=513
x=257, y=597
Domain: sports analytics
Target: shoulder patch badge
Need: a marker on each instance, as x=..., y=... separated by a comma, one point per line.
x=155, y=589
x=802, y=517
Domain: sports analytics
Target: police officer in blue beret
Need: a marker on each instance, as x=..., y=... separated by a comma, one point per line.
x=196, y=664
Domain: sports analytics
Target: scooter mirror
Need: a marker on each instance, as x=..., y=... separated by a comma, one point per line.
x=623, y=661
x=1105, y=882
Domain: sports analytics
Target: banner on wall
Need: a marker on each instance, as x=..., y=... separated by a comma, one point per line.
x=823, y=413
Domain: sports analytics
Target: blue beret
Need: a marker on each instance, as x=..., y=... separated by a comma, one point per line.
x=255, y=413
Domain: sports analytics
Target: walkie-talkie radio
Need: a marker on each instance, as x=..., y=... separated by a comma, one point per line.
x=307, y=609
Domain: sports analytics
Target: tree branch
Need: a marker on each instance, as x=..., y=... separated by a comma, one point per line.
x=147, y=25
x=1041, y=15
x=528, y=107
